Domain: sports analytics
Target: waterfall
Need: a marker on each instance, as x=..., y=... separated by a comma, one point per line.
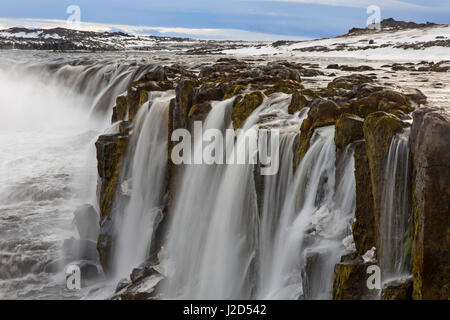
x=395, y=213
x=276, y=188
x=312, y=226
x=220, y=245
x=49, y=125
x=98, y=82
x=213, y=238
x=194, y=201
x=146, y=177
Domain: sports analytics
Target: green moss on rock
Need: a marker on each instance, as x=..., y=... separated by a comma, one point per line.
x=244, y=107
x=199, y=110
x=234, y=91
x=322, y=113
x=349, y=128
x=398, y=290
x=286, y=86
x=350, y=280
x=298, y=102
x=364, y=226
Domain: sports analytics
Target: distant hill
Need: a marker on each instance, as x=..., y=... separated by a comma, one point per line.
x=392, y=24
x=68, y=39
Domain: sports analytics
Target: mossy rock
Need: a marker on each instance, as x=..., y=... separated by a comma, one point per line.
x=110, y=154
x=244, y=107
x=429, y=140
x=121, y=108
x=199, y=110
x=298, y=102
x=348, y=82
x=350, y=280
x=184, y=98
x=398, y=290
x=204, y=93
x=286, y=86
x=379, y=129
x=349, y=128
x=136, y=98
x=322, y=113
x=383, y=100
x=234, y=91
x=364, y=226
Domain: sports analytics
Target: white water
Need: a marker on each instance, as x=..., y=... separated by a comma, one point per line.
x=46, y=171
x=395, y=213
x=219, y=247
x=146, y=177
x=48, y=160
x=312, y=223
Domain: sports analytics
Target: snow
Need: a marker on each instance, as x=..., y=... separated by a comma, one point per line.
x=357, y=44
x=27, y=35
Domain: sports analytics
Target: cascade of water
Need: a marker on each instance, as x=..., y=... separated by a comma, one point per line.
x=193, y=202
x=146, y=176
x=218, y=221
x=312, y=225
x=395, y=213
x=46, y=139
x=275, y=192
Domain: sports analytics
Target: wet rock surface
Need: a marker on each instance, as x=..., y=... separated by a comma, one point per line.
x=398, y=290
x=430, y=135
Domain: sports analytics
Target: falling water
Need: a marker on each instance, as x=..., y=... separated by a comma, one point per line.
x=194, y=201
x=47, y=159
x=395, y=215
x=312, y=225
x=47, y=169
x=146, y=178
x=213, y=239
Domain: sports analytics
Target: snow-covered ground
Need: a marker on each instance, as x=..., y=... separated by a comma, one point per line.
x=411, y=44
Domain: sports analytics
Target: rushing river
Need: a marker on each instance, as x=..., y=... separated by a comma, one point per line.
x=46, y=170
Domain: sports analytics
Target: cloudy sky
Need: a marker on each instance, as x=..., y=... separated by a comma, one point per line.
x=234, y=19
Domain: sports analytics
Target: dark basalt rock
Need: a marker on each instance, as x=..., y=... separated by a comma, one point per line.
x=379, y=129
x=430, y=136
x=322, y=113
x=298, y=102
x=244, y=107
x=398, y=290
x=348, y=129
x=350, y=280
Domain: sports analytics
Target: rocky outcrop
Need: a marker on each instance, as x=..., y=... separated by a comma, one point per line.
x=364, y=226
x=350, y=279
x=398, y=290
x=111, y=150
x=349, y=128
x=379, y=128
x=244, y=107
x=298, y=102
x=322, y=113
x=430, y=136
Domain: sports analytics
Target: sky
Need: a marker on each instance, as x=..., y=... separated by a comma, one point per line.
x=226, y=19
